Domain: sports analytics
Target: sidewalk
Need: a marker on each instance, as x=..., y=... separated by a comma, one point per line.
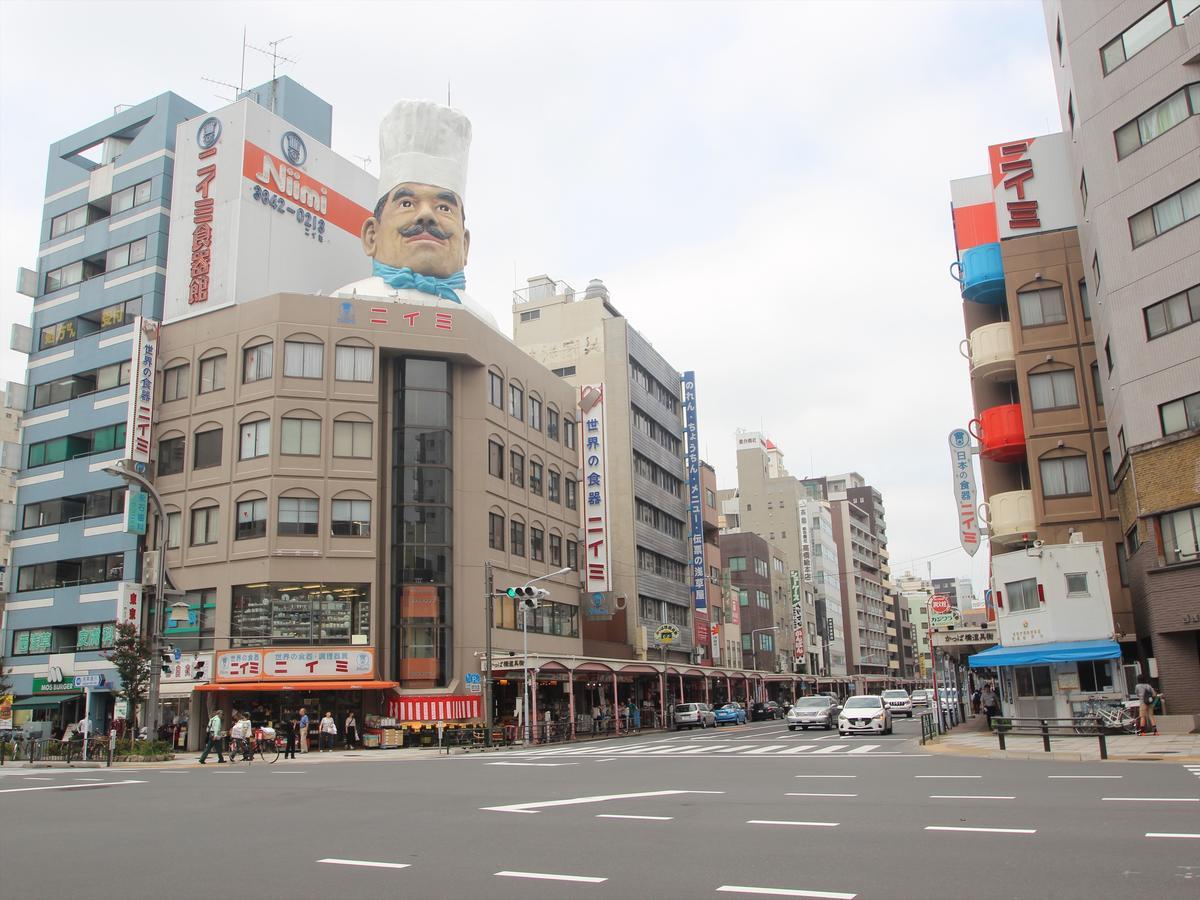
x=973, y=739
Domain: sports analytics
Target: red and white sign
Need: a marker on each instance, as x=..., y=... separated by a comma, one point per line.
x=433, y=708
x=939, y=604
x=597, y=550
x=1031, y=185
x=141, y=392
x=129, y=604
x=317, y=663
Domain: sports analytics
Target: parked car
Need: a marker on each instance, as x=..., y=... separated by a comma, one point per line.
x=689, y=715
x=768, y=709
x=897, y=702
x=920, y=697
x=730, y=714
x=813, y=712
x=949, y=697
x=865, y=714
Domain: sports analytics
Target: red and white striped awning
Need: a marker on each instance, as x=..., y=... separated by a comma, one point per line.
x=439, y=707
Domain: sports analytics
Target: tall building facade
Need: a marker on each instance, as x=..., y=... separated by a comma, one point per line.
x=101, y=262
x=1130, y=102
x=584, y=340
x=914, y=594
x=822, y=565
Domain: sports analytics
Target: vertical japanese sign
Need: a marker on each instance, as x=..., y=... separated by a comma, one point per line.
x=129, y=604
x=965, y=494
x=598, y=553
x=699, y=579
x=207, y=139
x=805, y=545
x=141, y=392
x=797, y=617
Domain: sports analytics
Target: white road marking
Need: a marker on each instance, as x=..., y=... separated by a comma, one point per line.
x=646, y=818
x=1084, y=776
x=833, y=749
x=819, y=795
x=968, y=797
x=767, y=749
x=546, y=876
x=783, y=892
x=1167, y=834
x=947, y=776
x=67, y=787
x=799, y=749
x=988, y=830
x=601, y=798
x=545, y=765
x=1155, y=799
x=289, y=772
x=865, y=748
x=365, y=862
x=826, y=776
x=783, y=822
x=89, y=779
x=37, y=778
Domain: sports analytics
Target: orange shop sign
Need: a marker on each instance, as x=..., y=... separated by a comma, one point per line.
x=296, y=663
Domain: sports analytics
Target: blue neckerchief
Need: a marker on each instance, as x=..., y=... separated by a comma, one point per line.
x=406, y=278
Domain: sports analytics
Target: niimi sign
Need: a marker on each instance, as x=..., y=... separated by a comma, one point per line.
x=141, y=392
x=699, y=589
x=965, y=494
x=598, y=552
x=797, y=617
x=270, y=663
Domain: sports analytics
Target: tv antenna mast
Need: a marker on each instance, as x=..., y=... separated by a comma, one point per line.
x=276, y=59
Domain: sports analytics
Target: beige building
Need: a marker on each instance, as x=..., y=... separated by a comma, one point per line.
x=335, y=477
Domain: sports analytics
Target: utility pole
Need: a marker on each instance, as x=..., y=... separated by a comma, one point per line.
x=488, y=587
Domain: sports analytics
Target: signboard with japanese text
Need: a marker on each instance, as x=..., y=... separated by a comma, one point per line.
x=695, y=501
x=966, y=636
x=666, y=634
x=130, y=598
x=137, y=511
x=259, y=207
x=268, y=663
x=797, y=616
x=597, y=549
x=189, y=667
x=966, y=496
x=141, y=393
x=1031, y=185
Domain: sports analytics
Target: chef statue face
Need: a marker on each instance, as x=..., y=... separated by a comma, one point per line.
x=420, y=227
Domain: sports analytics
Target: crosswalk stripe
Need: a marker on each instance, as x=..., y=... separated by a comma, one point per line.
x=865, y=748
x=766, y=749
x=832, y=749
x=799, y=749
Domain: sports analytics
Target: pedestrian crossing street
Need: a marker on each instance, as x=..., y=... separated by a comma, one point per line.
x=711, y=749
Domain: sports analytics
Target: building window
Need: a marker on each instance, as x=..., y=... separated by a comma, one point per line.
x=556, y=550
x=72, y=220
x=212, y=374
x=1165, y=215
x=81, y=384
x=1094, y=675
x=208, y=448
x=496, y=390
x=1033, y=681
x=516, y=402
x=1121, y=442
x=573, y=554
x=300, y=437
x=286, y=613
x=530, y=315
x=564, y=372
x=743, y=597
x=552, y=424
x=1181, y=414
x=554, y=493
x=353, y=363
x=569, y=432
x=1065, y=477
x=763, y=599
x=204, y=525
x=1042, y=307
x=1122, y=564
x=1021, y=595
x=129, y=197
x=125, y=255
x=251, y=519
x=1097, y=387
x=175, y=383
x=516, y=466
x=495, y=531
x=535, y=477
x=174, y=530
x=1077, y=585
x=257, y=362
x=352, y=439
x=760, y=567
x=1136, y=38
x=298, y=515
x=350, y=518
x=1083, y=194
x=255, y=439
x=1109, y=472
x=537, y=545
x=115, y=315
x=495, y=459
x=72, y=273
x=1108, y=355
x=1177, y=311
x=710, y=499
x=1084, y=301
x=1071, y=111
x=71, y=572
x=1053, y=390
x=656, y=432
x=535, y=413
x=303, y=359
x=516, y=537
x=737, y=564
x=1181, y=535
x=170, y=456
x=572, y=494
x=1157, y=120
x=766, y=641
x=72, y=446
x=1096, y=270
x=550, y=617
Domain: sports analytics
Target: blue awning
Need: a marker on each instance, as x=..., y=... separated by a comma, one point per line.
x=1063, y=651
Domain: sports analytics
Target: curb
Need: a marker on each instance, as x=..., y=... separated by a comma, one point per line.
x=1054, y=755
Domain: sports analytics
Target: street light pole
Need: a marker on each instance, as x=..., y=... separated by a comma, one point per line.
x=525, y=689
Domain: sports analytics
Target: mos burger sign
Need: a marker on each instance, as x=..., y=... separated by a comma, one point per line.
x=939, y=605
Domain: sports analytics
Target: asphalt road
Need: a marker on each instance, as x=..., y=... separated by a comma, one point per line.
x=747, y=811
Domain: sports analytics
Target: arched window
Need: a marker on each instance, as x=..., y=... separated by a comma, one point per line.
x=254, y=436
x=212, y=370
x=1064, y=473
x=300, y=433
x=258, y=359
x=354, y=360
x=353, y=436
x=299, y=513
x=207, y=446
x=251, y=516
x=205, y=521
x=350, y=514
x=303, y=356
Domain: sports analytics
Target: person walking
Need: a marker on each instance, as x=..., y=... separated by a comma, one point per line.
x=990, y=703
x=290, y=729
x=303, y=730
x=350, y=730
x=328, y=733
x=213, y=738
x=1146, y=696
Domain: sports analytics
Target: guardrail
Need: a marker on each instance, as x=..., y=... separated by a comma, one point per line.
x=929, y=726
x=35, y=750
x=1045, y=729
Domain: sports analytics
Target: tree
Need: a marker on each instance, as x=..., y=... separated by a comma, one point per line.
x=130, y=655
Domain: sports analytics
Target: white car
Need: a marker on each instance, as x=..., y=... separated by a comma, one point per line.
x=920, y=697
x=864, y=714
x=897, y=702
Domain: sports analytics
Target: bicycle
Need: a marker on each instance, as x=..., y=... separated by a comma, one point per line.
x=1095, y=716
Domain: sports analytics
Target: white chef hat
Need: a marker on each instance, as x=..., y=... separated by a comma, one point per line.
x=425, y=143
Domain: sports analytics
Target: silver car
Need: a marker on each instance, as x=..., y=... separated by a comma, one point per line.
x=813, y=712
x=898, y=702
x=690, y=715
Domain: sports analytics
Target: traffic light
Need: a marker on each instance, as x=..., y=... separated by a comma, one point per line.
x=166, y=659
x=529, y=597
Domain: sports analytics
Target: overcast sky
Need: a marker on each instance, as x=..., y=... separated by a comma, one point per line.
x=763, y=188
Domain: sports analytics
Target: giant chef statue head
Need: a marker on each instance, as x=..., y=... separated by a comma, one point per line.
x=416, y=236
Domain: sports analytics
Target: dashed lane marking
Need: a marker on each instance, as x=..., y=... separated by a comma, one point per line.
x=819, y=795
x=547, y=876
x=574, y=801
x=969, y=797
x=986, y=830
x=783, y=892
x=69, y=787
x=372, y=864
x=644, y=818
x=1154, y=799
x=1167, y=834
x=1084, y=776
x=785, y=822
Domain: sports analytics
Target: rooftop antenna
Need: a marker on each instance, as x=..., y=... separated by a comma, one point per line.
x=276, y=59
x=447, y=91
x=237, y=88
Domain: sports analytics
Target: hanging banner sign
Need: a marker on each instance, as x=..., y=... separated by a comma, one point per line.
x=129, y=604
x=797, y=617
x=141, y=393
x=598, y=553
x=966, y=496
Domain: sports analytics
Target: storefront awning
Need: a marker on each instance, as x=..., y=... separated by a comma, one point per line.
x=1063, y=651
x=48, y=701
x=250, y=687
x=433, y=708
